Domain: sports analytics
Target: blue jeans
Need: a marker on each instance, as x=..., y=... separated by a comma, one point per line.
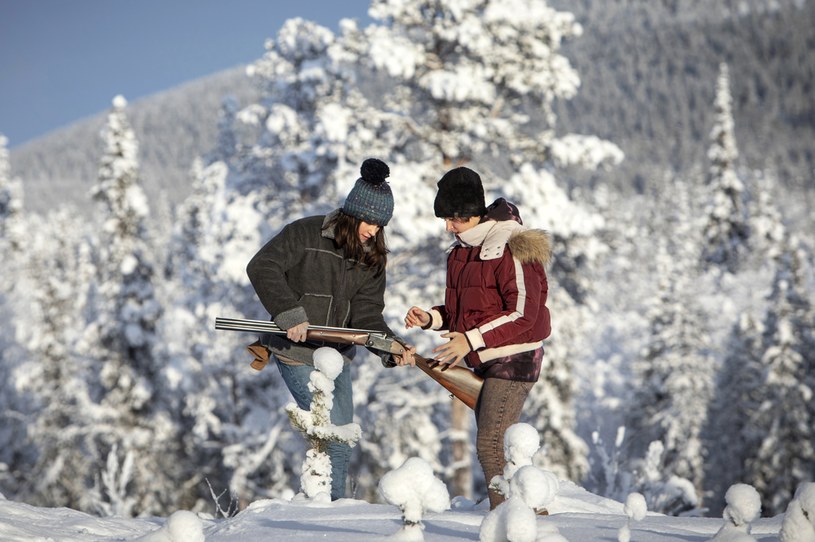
x=296, y=378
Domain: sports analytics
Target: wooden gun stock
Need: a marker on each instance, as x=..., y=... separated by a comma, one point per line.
x=461, y=382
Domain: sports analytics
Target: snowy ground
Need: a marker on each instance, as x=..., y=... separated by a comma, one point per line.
x=577, y=514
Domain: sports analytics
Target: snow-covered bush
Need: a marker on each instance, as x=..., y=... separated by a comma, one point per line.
x=635, y=508
x=528, y=489
x=181, y=526
x=743, y=507
x=415, y=490
x=799, y=519
x=531, y=489
x=521, y=442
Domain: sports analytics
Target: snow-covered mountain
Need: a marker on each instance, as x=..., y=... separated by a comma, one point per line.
x=648, y=74
x=173, y=128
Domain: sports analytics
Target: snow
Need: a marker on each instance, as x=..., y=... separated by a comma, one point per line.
x=233, y=423
x=799, y=519
x=577, y=515
x=182, y=526
x=528, y=489
x=415, y=490
x=635, y=507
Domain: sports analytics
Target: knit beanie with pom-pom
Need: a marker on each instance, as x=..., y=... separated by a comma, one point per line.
x=371, y=199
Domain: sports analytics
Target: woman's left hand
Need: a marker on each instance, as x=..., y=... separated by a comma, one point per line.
x=407, y=357
x=453, y=351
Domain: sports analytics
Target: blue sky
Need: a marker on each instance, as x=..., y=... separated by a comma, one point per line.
x=63, y=60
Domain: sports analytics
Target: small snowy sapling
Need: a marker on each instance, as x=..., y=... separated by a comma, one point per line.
x=315, y=424
x=743, y=507
x=521, y=441
x=515, y=519
x=635, y=508
x=414, y=489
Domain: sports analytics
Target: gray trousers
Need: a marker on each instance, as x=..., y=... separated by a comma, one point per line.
x=499, y=406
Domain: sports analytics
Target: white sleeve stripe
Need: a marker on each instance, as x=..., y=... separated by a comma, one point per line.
x=520, y=303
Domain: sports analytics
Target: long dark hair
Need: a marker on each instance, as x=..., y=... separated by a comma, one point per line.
x=346, y=234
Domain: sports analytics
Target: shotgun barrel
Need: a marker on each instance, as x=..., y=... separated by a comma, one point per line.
x=459, y=381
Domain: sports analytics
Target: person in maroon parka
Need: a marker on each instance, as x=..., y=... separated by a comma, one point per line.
x=494, y=311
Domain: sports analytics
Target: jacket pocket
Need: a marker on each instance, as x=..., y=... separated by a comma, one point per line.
x=318, y=308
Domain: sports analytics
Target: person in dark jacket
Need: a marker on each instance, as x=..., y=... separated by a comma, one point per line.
x=494, y=311
x=329, y=271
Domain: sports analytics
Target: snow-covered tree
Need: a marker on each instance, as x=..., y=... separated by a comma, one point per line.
x=122, y=335
x=14, y=404
x=726, y=233
x=767, y=230
x=57, y=281
x=11, y=205
x=475, y=83
x=205, y=280
x=675, y=374
x=730, y=438
x=785, y=416
x=478, y=75
x=227, y=144
x=314, y=127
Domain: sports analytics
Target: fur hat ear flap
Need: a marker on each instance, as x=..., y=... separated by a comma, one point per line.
x=460, y=194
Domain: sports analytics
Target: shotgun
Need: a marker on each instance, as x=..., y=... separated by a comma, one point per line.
x=461, y=382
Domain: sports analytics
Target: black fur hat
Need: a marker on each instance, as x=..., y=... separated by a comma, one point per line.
x=460, y=195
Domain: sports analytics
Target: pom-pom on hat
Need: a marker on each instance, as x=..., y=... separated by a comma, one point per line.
x=460, y=195
x=371, y=199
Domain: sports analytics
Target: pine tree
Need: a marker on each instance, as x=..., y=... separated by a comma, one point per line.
x=785, y=417
x=227, y=145
x=62, y=422
x=726, y=232
x=315, y=127
x=221, y=440
x=476, y=84
x=675, y=374
x=767, y=230
x=125, y=318
x=11, y=205
x=730, y=438
x=15, y=404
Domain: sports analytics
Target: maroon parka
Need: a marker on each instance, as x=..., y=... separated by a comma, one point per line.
x=496, y=295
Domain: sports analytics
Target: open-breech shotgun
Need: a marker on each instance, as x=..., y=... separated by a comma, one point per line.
x=461, y=382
